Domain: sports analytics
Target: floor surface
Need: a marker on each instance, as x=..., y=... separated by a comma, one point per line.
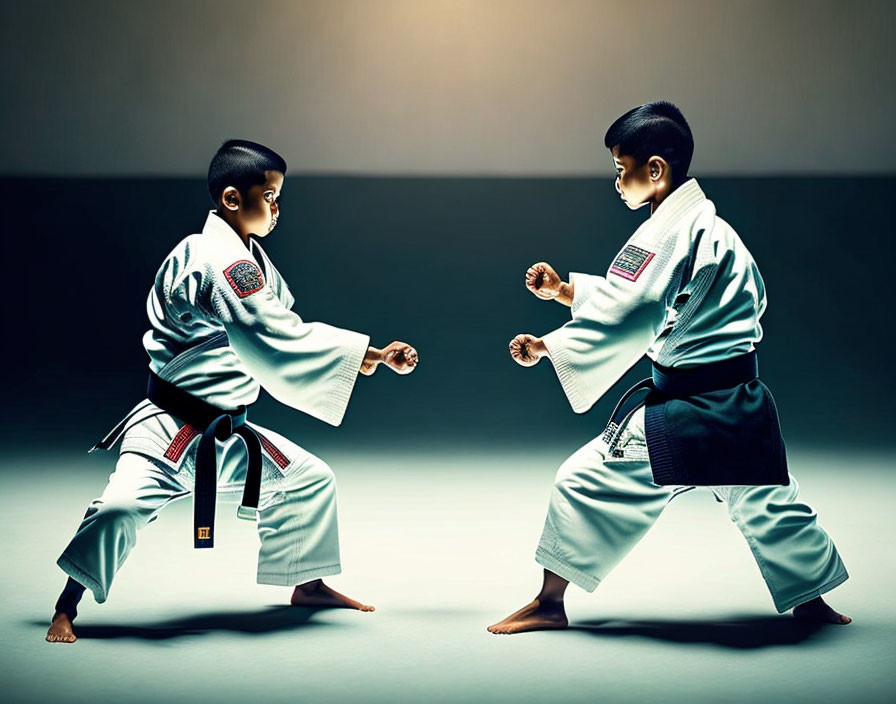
x=442, y=544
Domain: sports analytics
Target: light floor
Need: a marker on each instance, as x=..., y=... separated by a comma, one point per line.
x=443, y=546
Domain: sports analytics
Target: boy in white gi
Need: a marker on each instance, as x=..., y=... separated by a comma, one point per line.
x=221, y=328
x=686, y=292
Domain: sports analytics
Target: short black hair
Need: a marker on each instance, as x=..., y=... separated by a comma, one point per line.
x=654, y=129
x=241, y=164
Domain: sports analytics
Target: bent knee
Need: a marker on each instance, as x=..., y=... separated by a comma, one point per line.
x=313, y=471
x=570, y=477
x=564, y=476
x=120, y=511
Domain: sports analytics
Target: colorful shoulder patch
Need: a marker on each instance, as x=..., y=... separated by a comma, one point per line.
x=245, y=277
x=630, y=262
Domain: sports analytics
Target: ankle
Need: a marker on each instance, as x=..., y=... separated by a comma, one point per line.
x=310, y=587
x=552, y=600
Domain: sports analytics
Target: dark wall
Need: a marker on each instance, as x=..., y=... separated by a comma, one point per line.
x=438, y=263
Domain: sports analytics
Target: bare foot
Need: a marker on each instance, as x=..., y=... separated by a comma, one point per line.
x=317, y=595
x=61, y=630
x=537, y=616
x=818, y=610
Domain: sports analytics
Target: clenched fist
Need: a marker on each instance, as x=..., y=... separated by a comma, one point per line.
x=527, y=349
x=543, y=281
x=399, y=356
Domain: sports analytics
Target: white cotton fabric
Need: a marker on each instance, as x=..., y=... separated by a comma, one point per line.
x=698, y=301
x=616, y=321
x=214, y=343
x=297, y=521
x=238, y=344
x=604, y=501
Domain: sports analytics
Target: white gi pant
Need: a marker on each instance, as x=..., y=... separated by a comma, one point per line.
x=603, y=504
x=297, y=521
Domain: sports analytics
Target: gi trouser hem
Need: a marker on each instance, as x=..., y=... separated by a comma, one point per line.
x=564, y=569
x=802, y=599
x=293, y=578
x=80, y=576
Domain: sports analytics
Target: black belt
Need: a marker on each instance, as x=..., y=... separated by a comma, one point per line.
x=676, y=383
x=707, y=377
x=216, y=424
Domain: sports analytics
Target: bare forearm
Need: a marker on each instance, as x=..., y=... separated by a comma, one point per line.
x=399, y=356
x=567, y=293
x=372, y=358
x=537, y=348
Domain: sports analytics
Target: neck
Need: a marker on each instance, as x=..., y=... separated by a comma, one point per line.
x=230, y=218
x=663, y=191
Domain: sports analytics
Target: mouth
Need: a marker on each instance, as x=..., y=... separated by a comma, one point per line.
x=273, y=224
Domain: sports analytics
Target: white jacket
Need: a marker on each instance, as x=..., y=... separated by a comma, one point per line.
x=684, y=290
x=222, y=328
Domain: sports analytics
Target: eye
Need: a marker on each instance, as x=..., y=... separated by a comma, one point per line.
x=269, y=196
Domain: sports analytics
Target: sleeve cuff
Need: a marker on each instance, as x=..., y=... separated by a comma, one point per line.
x=572, y=384
x=355, y=347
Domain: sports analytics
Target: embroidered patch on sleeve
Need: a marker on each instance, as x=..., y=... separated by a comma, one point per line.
x=245, y=277
x=630, y=262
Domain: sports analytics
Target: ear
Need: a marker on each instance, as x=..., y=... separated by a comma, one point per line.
x=230, y=198
x=657, y=168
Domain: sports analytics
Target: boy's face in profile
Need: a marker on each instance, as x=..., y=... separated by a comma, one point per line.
x=258, y=208
x=633, y=183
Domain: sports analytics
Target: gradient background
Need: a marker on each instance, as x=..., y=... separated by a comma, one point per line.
x=435, y=150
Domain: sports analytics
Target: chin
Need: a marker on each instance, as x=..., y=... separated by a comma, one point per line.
x=635, y=206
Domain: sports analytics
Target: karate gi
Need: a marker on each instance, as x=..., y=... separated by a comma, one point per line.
x=221, y=327
x=686, y=292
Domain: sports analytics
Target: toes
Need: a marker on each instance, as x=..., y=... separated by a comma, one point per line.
x=56, y=638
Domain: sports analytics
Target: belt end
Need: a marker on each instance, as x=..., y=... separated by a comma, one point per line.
x=247, y=513
x=204, y=538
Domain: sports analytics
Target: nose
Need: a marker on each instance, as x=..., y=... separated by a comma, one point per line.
x=618, y=190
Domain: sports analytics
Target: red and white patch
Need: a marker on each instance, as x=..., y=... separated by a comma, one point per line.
x=244, y=277
x=630, y=262
x=183, y=438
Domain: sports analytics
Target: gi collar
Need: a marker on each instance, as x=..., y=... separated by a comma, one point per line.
x=681, y=200
x=216, y=225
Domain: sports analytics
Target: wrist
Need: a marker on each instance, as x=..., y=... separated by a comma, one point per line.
x=537, y=348
x=374, y=355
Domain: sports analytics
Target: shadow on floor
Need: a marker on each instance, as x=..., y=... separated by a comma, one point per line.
x=745, y=633
x=269, y=620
